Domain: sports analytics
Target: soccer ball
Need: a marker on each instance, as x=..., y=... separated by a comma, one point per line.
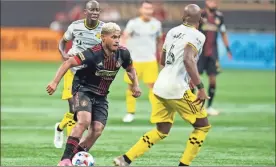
x=83, y=159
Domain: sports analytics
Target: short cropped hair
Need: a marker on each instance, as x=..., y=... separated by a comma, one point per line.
x=145, y=1
x=110, y=27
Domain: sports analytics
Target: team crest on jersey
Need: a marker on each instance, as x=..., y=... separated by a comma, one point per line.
x=217, y=21
x=84, y=103
x=98, y=35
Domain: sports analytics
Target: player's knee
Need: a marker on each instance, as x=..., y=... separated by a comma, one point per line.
x=84, y=119
x=97, y=128
x=164, y=128
x=205, y=129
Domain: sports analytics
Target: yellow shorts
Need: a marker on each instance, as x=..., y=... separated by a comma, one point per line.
x=67, y=85
x=164, y=110
x=147, y=71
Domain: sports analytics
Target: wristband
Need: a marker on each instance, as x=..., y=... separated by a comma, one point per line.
x=200, y=86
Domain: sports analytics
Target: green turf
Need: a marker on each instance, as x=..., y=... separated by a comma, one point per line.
x=244, y=133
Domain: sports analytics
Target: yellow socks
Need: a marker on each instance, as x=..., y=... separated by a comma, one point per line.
x=130, y=102
x=68, y=122
x=145, y=143
x=194, y=144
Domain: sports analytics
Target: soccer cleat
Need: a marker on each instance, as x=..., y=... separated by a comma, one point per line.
x=58, y=139
x=120, y=161
x=128, y=117
x=65, y=162
x=212, y=112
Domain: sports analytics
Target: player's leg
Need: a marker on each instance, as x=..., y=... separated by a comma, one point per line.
x=130, y=100
x=67, y=120
x=83, y=109
x=92, y=136
x=150, y=74
x=212, y=71
x=163, y=119
x=198, y=118
x=99, y=118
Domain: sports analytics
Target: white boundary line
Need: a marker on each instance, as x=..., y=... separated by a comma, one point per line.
x=143, y=128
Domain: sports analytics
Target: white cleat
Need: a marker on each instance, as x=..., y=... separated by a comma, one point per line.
x=128, y=118
x=212, y=112
x=58, y=140
x=120, y=161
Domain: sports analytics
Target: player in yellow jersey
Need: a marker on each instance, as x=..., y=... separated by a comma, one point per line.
x=181, y=51
x=143, y=37
x=84, y=33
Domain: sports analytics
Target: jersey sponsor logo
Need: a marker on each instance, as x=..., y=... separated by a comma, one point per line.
x=84, y=103
x=106, y=73
x=209, y=27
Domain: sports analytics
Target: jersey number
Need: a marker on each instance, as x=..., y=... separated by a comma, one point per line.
x=170, y=56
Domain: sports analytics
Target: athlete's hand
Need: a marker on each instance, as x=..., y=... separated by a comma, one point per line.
x=51, y=88
x=191, y=84
x=230, y=56
x=136, y=91
x=201, y=97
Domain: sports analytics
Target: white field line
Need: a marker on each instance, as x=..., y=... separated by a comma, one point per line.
x=223, y=108
x=140, y=128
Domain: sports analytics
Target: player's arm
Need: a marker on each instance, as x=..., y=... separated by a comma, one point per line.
x=79, y=59
x=71, y=62
x=164, y=49
x=163, y=58
x=66, y=65
x=159, y=42
x=61, y=49
x=128, y=66
x=128, y=31
x=131, y=72
x=190, y=52
x=68, y=35
x=225, y=37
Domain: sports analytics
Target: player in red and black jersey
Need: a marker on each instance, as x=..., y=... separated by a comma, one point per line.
x=212, y=24
x=91, y=86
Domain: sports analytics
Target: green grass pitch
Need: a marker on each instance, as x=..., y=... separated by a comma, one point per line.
x=244, y=133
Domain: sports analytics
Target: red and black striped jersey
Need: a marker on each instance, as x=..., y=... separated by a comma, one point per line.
x=99, y=70
x=211, y=25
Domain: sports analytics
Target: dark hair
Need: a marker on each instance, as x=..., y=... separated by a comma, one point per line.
x=146, y=1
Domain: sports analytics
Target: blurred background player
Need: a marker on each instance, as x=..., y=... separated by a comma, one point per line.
x=212, y=24
x=85, y=33
x=143, y=37
x=180, y=52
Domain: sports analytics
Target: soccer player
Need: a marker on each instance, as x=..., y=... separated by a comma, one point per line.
x=143, y=37
x=180, y=53
x=91, y=86
x=212, y=24
x=84, y=33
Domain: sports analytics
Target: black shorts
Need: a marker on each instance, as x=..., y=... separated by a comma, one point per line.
x=210, y=64
x=95, y=104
